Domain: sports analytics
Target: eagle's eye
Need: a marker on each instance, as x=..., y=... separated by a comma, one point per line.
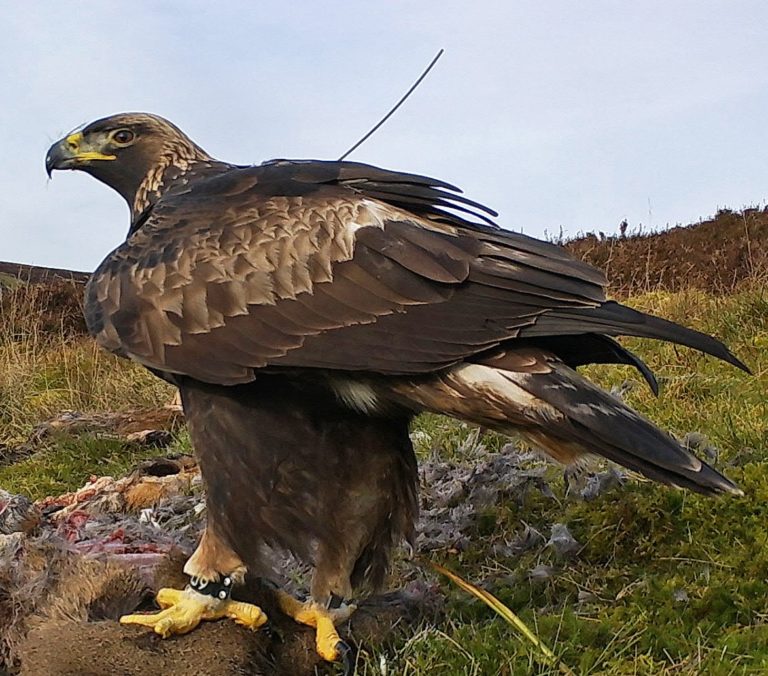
x=123, y=137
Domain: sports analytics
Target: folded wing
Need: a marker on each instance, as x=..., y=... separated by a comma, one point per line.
x=346, y=267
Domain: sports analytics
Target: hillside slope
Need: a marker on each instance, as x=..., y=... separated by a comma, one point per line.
x=715, y=255
x=38, y=275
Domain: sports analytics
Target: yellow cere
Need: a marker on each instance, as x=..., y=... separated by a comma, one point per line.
x=73, y=141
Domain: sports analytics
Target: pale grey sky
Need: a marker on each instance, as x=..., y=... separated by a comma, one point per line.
x=573, y=114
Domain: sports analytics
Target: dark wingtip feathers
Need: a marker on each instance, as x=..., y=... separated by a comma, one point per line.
x=650, y=326
x=613, y=319
x=709, y=482
x=733, y=359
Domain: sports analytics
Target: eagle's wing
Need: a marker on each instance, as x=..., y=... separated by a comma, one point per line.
x=339, y=266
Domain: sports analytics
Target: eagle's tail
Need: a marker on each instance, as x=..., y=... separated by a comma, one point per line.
x=533, y=393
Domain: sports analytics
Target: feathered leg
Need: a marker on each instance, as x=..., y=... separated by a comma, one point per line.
x=286, y=463
x=367, y=525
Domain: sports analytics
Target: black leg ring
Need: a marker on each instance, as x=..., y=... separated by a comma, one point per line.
x=221, y=590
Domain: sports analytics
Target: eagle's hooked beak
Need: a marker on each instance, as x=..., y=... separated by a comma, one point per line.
x=71, y=152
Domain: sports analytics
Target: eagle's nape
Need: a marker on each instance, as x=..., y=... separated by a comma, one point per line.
x=308, y=309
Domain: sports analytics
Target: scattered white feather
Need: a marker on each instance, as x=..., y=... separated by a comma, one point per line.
x=356, y=395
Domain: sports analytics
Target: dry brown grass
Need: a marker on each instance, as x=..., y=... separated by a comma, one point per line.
x=716, y=255
x=47, y=365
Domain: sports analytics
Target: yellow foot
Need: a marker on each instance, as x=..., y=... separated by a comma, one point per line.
x=328, y=643
x=184, y=609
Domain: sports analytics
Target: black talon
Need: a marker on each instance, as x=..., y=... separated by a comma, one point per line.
x=268, y=584
x=348, y=658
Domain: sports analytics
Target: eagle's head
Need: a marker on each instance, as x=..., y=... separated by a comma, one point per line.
x=137, y=154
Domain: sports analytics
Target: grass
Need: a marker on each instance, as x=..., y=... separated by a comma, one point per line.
x=66, y=462
x=666, y=582
x=45, y=370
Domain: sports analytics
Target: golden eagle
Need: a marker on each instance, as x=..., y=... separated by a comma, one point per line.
x=307, y=311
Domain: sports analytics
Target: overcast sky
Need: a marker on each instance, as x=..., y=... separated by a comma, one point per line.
x=557, y=114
